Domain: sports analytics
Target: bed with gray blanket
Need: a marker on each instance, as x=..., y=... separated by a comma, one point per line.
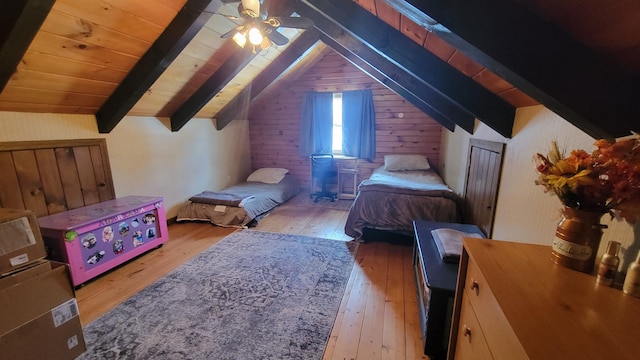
x=391, y=200
x=238, y=205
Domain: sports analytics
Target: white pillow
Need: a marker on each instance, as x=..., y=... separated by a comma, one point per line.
x=268, y=175
x=406, y=162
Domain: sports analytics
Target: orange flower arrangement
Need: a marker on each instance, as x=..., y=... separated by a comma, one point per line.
x=606, y=180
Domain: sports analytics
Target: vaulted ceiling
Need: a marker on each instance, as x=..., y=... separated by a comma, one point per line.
x=455, y=60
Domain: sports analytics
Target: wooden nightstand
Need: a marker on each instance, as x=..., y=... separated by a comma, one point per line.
x=347, y=176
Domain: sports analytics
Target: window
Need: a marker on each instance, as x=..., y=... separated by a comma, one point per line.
x=340, y=123
x=336, y=145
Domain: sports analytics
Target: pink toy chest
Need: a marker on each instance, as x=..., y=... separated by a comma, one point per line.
x=96, y=238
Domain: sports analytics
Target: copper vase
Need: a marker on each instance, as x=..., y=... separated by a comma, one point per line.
x=577, y=239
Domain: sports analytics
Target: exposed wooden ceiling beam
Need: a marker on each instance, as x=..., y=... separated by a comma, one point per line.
x=20, y=21
x=391, y=84
x=395, y=78
x=211, y=87
x=538, y=58
x=184, y=27
x=237, y=108
x=419, y=62
x=287, y=58
x=289, y=78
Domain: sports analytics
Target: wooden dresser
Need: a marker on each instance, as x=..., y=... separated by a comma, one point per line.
x=512, y=302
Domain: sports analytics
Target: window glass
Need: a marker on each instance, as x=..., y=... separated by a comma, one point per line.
x=337, y=123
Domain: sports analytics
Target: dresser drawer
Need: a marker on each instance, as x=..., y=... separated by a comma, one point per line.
x=498, y=333
x=477, y=289
x=471, y=343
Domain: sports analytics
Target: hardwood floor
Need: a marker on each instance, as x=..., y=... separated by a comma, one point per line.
x=378, y=316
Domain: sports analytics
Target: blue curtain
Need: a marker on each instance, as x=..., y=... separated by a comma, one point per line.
x=316, y=128
x=358, y=124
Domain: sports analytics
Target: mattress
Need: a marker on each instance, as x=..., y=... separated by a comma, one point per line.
x=256, y=200
x=392, y=200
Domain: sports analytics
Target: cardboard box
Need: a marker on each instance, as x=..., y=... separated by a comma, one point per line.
x=44, y=338
x=24, y=273
x=20, y=239
x=39, y=317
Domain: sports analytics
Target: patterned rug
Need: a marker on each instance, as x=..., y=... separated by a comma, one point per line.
x=253, y=295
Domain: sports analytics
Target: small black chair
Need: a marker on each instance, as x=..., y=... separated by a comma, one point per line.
x=323, y=170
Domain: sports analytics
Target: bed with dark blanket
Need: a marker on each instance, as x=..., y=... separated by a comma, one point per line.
x=391, y=200
x=238, y=205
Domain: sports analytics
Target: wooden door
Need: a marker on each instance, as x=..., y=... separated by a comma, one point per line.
x=484, y=168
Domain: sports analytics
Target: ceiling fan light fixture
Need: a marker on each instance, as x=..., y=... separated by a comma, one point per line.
x=255, y=36
x=266, y=43
x=240, y=39
x=273, y=22
x=259, y=29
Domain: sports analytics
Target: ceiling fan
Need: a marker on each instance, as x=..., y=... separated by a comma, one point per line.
x=260, y=28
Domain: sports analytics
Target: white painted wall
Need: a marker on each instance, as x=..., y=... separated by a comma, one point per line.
x=524, y=213
x=146, y=157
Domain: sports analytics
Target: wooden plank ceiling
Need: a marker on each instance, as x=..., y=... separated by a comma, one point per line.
x=455, y=60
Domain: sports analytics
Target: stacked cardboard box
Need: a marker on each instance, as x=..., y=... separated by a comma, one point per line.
x=20, y=239
x=39, y=314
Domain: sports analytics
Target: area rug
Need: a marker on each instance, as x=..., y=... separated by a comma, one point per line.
x=253, y=295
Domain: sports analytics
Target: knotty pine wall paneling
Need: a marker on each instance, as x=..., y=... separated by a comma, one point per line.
x=51, y=176
x=274, y=124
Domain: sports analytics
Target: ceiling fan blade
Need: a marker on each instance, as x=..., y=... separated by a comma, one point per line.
x=276, y=37
x=251, y=7
x=290, y=22
x=231, y=17
x=228, y=33
x=231, y=32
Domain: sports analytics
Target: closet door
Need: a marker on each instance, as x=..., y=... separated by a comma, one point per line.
x=483, y=178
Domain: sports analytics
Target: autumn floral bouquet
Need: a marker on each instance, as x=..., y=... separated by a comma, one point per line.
x=606, y=180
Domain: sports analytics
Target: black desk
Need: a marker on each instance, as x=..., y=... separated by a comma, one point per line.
x=436, y=283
